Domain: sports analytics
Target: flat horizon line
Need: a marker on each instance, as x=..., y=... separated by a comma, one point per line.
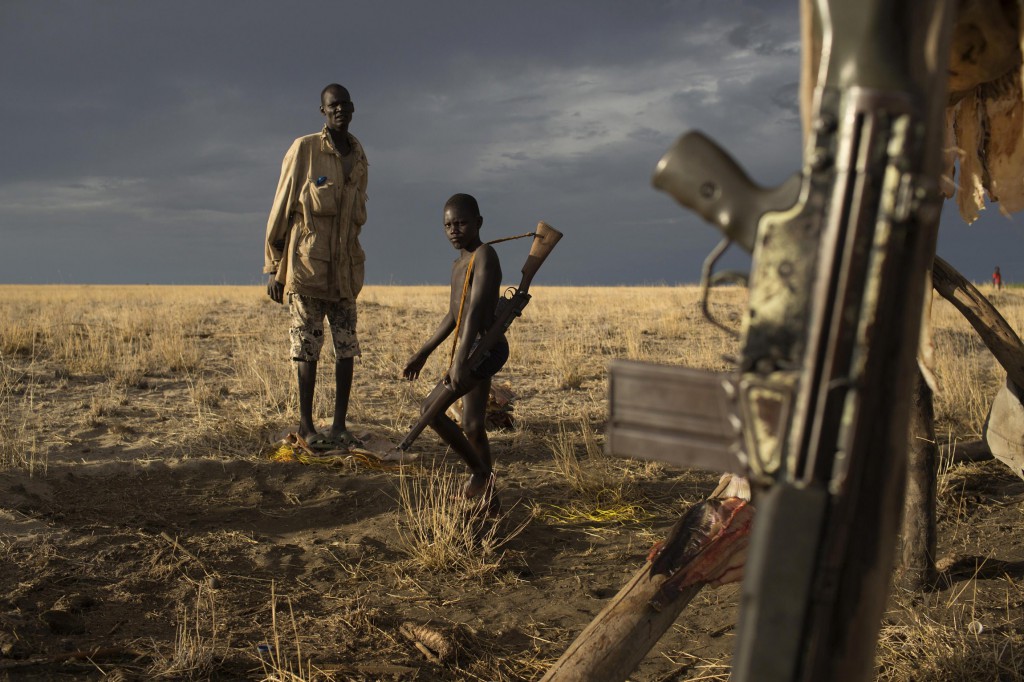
x=389, y=284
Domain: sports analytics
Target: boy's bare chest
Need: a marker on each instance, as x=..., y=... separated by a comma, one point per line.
x=458, y=284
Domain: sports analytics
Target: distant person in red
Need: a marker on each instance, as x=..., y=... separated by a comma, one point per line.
x=997, y=279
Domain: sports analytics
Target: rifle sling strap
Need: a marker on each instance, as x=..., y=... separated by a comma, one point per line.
x=465, y=290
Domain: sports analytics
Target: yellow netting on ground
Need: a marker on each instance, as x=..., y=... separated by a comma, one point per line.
x=579, y=512
x=287, y=452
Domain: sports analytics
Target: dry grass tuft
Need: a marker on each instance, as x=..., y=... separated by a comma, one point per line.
x=593, y=477
x=18, y=444
x=275, y=659
x=567, y=363
x=964, y=646
x=196, y=648
x=442, y=532
x=968, y=375
x=602, y=488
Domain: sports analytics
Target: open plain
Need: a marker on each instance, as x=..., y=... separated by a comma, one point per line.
x=145, y=532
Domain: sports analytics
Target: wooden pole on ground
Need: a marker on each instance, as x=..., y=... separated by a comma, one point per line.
x=619, y=637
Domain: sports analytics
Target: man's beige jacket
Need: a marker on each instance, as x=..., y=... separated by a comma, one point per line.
x=313, y=230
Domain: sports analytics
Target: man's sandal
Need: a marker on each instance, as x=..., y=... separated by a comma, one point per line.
x=348, y=440
x=322, y=442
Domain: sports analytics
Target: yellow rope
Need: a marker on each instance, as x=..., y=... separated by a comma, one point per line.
x=579, y=512
x=462, y=303
x=289, y=453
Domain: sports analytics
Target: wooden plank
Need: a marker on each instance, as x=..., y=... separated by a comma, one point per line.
x=672, y=414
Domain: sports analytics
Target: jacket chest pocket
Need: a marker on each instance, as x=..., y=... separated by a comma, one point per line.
x=319, y=208
x=323, y=196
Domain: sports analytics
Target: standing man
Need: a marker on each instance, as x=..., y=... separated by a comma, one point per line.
x=312, y=253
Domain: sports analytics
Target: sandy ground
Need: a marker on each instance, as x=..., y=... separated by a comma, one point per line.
x=114, y=555
x=129, y=551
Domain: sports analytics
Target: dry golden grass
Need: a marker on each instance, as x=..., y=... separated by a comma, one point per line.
x=441, y=532
x=968, y=374
x=276, y=660
x=123, y=337
x=208, y=368
x=963, y=645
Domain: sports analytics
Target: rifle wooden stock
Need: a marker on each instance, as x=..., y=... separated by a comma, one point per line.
x=544, y=241
x=509, y=308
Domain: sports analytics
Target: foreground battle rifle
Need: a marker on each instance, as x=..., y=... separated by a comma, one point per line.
x=510, y=306
x=816, y=413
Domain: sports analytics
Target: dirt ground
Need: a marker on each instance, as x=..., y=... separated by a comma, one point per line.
x=150, y=536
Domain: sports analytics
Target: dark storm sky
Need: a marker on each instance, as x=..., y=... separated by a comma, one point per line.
x=141, y=141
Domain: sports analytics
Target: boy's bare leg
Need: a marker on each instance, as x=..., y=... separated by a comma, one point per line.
x=474, y=422
x=450, y=432
x=343, y=370
x=307, y=383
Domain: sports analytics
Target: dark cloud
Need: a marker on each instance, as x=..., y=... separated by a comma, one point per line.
x=787, y=98
x=142, y=141
x=763, y=38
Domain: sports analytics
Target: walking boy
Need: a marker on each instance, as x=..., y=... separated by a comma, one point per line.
x=476, y=283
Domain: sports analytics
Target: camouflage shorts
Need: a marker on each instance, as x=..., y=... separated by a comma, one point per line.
x=307, y=327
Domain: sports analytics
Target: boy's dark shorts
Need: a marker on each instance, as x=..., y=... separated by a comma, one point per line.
x=493, y=360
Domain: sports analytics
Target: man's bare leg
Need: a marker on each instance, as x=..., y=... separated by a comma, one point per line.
x=307, y=384
x=343, y=370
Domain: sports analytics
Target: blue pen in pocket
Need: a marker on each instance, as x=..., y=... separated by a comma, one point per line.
x=321, y=181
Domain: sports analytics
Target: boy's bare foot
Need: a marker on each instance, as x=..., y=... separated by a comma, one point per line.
x=479, y=485
x=479, y=491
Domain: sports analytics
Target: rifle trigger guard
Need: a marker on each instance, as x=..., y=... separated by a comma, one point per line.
x=706, y=282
